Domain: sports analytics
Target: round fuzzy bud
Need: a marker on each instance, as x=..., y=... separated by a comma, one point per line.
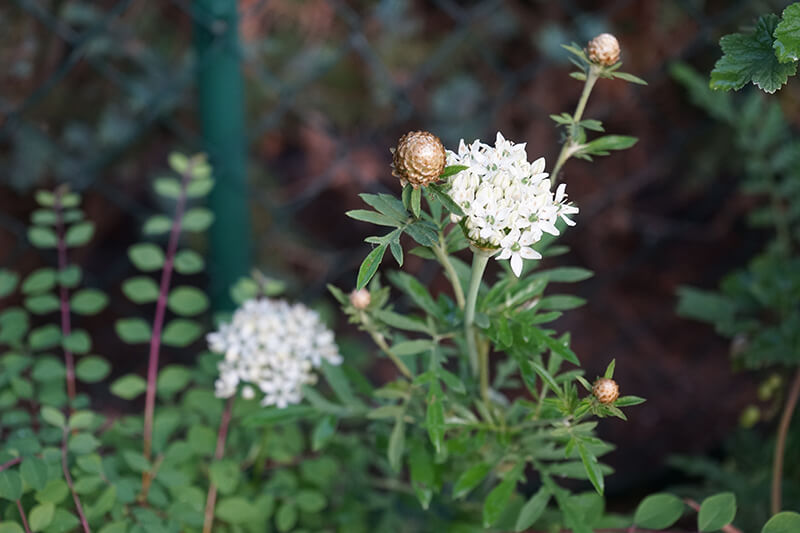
x=605, y=390
x=603, y=50
x=360, y=298
x=419, y=158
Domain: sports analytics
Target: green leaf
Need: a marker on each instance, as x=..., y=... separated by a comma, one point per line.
x=750, y=57
x=470, y=479
x=136, y=461
x=42, y=303
x=416, y=197
x=80, y=234
x=157, y=225
x=787, y=35
x=602, y=145
x=434, y=420
x=197, y=219
x=497, y=500
x=399, y=321
x=172, y=379
x=167, y=187
x=187, y=301
x=629, y=77
x=42, y=237
x=10, y=485
x=70, y=277
x=452, y=170
x=532, y=510
x=412, y=347
x=323, y=432
x=10, y=527
x=55, y=491
x=180, y=333
x=397, y=442
x=81, y=420
x=370, y=266
x=592, y=468
x=146, y=256
x=48, y=369
x=658, y=511
x=199, y=187
x=423, y=232
x=310, y=501
x=45, y=198
x=445, y=199
x=785, y=522
x=132, y=330
x=41, y=516
x=338, y=381
x=92, y=369
x=716, y=512
x=609, y=373
x=34, y=472
x=225, y=474
x=235, y=510
x=128, y=387
x=39, y=281
x=140, y=289
x=44, y=337
x=189, y=262
x=53, y=416
x=8, y=282
x=372, y=217
x=178, y=162
x=286, y=517
x=88, y=301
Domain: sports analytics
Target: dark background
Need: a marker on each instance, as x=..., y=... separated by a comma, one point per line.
x=96, y=94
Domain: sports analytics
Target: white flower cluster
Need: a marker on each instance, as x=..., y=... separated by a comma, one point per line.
x=507, y=200
x=273, y=346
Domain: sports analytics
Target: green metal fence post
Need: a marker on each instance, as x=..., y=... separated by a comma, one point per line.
x=221, y=108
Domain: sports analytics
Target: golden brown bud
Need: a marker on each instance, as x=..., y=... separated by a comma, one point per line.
x=419, y=158
x=605, y=390
x=360, y=299
x=603, y=50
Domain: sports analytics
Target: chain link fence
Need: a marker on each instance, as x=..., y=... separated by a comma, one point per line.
x=298, y=101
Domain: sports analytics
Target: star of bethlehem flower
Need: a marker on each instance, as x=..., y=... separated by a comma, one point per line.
x=507, y=201
x=271, y=346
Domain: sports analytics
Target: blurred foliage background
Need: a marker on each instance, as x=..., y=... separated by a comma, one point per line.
x=96, y=93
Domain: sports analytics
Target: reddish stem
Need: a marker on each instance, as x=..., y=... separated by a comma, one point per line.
x=780, y=444
x=24, y=518
x=71, y=485
x=220, y=451
x=158, y=323
x=9, y=464
x=66, y=326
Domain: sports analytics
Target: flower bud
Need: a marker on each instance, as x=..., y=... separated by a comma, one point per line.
x=605, y=390
x=360, y=299
x=603, y=50
x=419, y=158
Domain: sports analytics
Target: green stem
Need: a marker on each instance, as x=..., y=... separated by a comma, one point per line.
x=570, y=146
x=480, y=365
x=450, y=272
x=380, y=340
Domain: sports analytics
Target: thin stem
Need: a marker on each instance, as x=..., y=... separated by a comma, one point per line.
x=570, y=146
x=24, y=518
x=441, y=255
x=780, y=444
x=380, y=340
x=158, y=324
x=63, y=292
x=479, y=260
x=9, y=464
x=68, y=478
x=222, y=436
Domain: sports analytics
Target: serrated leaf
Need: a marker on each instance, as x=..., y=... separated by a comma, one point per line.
x=716, y=512
x=658, y=511
x=750, y=57
x=787, y=35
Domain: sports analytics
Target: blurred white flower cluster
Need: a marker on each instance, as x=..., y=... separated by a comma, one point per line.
x=274, y=347
x=507, y=200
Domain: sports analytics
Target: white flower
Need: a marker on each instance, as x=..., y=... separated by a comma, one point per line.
x=507, y=201
x=271, y=346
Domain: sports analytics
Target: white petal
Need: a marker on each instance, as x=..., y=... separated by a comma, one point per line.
x=516, y=264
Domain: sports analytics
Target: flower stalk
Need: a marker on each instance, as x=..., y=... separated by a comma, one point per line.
x=571, y=146
x=222, y=436
x=71, y=485
x=380, y=341
x=479, y=361
x=780, y=444
x=440, y=251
